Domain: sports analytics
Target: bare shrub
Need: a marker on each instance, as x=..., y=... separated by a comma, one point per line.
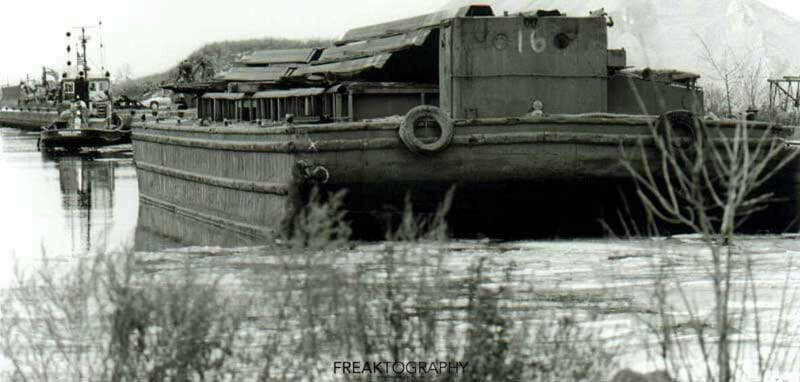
x=103, y=320
x=49, y=322
x=711, y=183
x=164, y=329
x=321, y=223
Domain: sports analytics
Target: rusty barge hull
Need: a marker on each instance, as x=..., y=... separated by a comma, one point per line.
x=511, y=175
x=30, y=120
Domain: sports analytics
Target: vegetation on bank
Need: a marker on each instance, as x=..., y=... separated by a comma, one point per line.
x=220, y=55
x=111, y=319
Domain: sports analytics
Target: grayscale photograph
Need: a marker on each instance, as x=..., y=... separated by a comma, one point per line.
x=418, y=190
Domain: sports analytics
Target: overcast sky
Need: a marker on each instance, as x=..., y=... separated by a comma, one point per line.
x=152, y=35
x=790, y=7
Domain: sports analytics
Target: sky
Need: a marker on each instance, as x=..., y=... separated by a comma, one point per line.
x=153, y=35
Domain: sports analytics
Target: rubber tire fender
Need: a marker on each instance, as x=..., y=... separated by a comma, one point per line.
x=684, y=124
x=413, y=143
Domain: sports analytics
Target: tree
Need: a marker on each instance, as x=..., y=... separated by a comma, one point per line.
x=753, y=81
x=124, y=73
x=726, y=70
x=741, y=78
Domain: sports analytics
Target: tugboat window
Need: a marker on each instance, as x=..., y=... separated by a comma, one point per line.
x=69, y=87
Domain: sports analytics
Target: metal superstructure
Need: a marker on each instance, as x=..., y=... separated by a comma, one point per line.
x=784, y=93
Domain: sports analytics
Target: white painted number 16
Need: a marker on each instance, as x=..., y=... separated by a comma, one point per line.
x=537, y=43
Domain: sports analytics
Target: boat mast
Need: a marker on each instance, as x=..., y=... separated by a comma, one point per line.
x=82, y=58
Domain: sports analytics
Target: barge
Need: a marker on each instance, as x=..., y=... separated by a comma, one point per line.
x=525, y=115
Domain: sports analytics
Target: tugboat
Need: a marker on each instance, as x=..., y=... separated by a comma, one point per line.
x=85, y=117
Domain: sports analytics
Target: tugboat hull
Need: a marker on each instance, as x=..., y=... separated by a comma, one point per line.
x=75, y=139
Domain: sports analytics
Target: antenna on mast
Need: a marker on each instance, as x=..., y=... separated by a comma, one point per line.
x=81, y=56
x=102, y=47
x=82, y=59
x=69, y=49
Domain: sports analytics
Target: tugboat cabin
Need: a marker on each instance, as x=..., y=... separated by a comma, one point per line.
x=94, y=91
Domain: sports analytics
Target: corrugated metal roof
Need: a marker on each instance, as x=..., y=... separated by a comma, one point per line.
x=263, y=73
x=394, y=27
x=303, y=92
x=372, y=47
x=282, y=56
x=227, y=96
x=348, y=67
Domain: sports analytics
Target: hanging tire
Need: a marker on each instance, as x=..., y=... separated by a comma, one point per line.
x=682, y=124
x=417, y=114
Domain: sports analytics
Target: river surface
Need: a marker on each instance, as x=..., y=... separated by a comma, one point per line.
x=62, y=206
x=65, y=208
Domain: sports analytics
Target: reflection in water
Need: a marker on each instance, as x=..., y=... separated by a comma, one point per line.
x=87, y=189
x=159, y=229
x=72, y=205
x=62, y=206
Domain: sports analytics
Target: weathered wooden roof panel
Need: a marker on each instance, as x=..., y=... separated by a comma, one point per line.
x=664, y=75
x=412, y=23
x=262, y=73
x=383, y=87
x=302, y=92
x=375, y=46
x=194, y=87
x=225, y=96
x=349, y=67
x=280, y=56
x=393, y=27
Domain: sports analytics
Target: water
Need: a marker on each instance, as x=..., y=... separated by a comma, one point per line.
x=69, y=207
x=62, y=206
